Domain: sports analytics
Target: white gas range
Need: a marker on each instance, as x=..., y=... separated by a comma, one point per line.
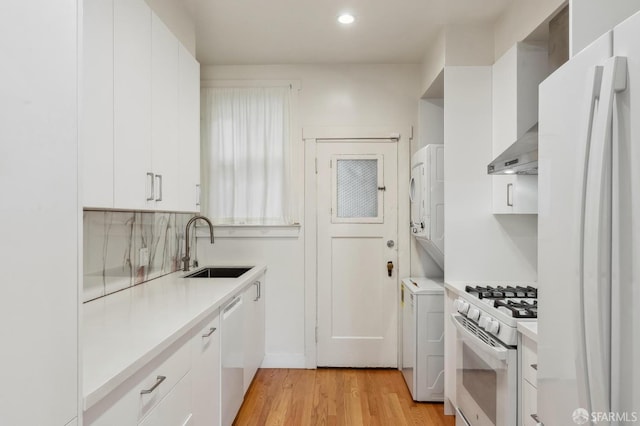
x=497, y=309
x=486, y=317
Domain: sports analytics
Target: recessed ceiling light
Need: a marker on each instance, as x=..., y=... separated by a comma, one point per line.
x=346, y=18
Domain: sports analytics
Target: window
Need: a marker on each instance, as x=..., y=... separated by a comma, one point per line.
x=246, y=155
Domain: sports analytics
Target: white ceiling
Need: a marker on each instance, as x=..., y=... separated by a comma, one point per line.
x=306, y=31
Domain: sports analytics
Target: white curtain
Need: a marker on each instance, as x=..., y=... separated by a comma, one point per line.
x=246, y=155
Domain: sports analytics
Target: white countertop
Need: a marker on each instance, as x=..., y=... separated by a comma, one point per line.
x=529, y=329
x=421, y=285
x=123, y=331
x=456, y=287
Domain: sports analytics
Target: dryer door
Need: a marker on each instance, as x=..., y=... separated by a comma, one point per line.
x=416, y=194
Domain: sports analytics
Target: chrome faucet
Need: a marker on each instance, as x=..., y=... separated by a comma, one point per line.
x=186, y=258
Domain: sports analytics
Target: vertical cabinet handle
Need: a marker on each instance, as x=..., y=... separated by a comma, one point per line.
x=159, y=178
x=159, y=380
x=197, y=194
x=151, y=187
x=257, y=284
x=509, y=192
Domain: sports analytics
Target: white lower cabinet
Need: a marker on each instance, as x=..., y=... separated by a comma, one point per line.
x=175, y=409
x=254, y=329
x=190, y=382
x=136, y=398
x=528, y=381
x=450, y=355
x=205, y=377
x=529, y=404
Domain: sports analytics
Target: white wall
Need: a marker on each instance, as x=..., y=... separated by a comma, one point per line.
x=479, y=246
x=469, y=44
x=521, y=18
x=430, y=123
x=433, y=62
x=457, y=44
x=340, y=95
x=589, y=19
x=330, y=96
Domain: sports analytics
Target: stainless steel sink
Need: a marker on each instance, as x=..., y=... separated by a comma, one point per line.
x=219, y=272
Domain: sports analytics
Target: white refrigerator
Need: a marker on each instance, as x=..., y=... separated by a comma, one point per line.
x=589, y=235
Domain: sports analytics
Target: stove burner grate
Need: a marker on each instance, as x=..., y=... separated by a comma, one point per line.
x=518, y=309
x=500, y=292
x=515, y=301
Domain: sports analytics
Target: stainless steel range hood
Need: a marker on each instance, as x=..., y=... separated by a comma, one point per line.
x=520, y=158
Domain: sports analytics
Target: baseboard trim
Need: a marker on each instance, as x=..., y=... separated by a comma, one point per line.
x=284, y=361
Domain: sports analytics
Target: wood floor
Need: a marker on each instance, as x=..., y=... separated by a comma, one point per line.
x=335, y=396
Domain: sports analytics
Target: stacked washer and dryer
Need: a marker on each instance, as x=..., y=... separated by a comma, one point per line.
x=422, y=299
x=426, y=191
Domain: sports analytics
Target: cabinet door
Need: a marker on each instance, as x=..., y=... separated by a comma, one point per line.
x=503, y=194
x=164, y=115
x=206, y=375
x=504, y=93
x=516, y=76
x=189, y=132
x=515, y=194
x=174, y=409
x=39, y=211
x=132, y=104
x=128, y=404
x=529, y=403
x=450, y=355
x=254, y=331
x=96, y=120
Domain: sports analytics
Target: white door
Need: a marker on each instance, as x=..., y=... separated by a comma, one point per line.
x=357, y=242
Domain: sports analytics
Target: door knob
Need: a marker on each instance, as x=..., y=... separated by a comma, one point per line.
x=389, y=267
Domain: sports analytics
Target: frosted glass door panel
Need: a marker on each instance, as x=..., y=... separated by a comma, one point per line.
x=357, y=189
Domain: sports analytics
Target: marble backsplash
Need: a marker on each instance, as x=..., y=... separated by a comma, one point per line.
x=113, y=243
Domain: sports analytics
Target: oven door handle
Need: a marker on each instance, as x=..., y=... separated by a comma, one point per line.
x=495, y=352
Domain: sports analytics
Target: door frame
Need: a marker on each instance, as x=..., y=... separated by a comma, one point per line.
x=311, y=136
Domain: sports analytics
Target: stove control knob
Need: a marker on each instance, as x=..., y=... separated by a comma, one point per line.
x=493, y=327
x=456, y=304
x=463, y=307
x=474, y=314
x=484, y=320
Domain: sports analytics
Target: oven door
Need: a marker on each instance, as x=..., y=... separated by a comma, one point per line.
x=486, y=376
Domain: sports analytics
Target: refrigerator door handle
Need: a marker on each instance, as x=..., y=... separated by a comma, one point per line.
x=594, y=82
x=596, y=242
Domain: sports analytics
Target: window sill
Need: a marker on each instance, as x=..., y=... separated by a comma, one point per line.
x=250, y=231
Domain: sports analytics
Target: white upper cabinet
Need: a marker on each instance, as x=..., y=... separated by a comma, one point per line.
x=141, y=113
x=189, y=131
x=164, y=115
x=516, y=76
x=96, y=120
x=132, y=105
